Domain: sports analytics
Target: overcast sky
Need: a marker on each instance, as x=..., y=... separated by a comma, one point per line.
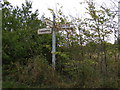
x=70, y=7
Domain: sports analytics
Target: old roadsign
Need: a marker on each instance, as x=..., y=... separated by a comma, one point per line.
x=48, y=22
x=65, y=27
x=45, y=31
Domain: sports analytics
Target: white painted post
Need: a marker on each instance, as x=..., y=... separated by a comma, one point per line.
x=53, y=43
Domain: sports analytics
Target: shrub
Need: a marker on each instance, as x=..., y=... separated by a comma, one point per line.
x=38, y=72
x=23, y=44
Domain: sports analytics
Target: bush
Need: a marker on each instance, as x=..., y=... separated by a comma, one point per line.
x=23, y=44
x=12, y=84
x=83, y=72
x=38, y=73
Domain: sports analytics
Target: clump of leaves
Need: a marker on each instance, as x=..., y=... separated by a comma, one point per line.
x=38, y=72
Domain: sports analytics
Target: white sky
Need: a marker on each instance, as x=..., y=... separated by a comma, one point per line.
x=70, y=7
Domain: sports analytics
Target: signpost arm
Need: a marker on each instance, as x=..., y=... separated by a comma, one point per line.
x=53, y=43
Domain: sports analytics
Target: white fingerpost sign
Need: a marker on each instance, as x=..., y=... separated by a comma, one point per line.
x=45, y=31
x=51, y=29
x=49, y=22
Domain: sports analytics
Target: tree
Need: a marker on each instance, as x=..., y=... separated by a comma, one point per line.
x=100, y=27
x=15, y=18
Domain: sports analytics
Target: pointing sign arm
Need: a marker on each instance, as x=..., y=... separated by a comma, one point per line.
x=44, y=31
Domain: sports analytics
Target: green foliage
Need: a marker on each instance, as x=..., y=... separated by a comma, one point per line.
x=21, y=45
x=83, y=73
x=15, y=18
x=13, y=84
x=36, y=73
x=83, y=59
x=99, y=22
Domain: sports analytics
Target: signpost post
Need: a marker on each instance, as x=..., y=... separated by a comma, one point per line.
x=53, y=43
x=51, y=28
